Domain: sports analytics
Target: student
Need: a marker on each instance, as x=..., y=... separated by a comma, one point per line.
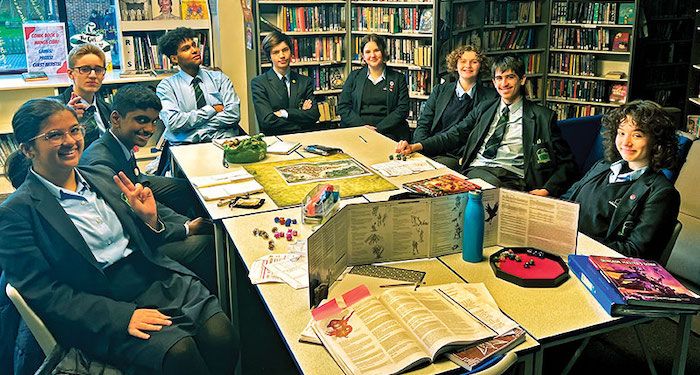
x=449, y=103
x=86, y=68
x=375, y=96
x=198, y=104
x=79, y=246
x=284, y=99
x=134, y=118
x=626, y=201
x=508, y=141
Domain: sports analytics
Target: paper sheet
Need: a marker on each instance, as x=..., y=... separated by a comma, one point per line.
x=259, y=273
x=400, y=168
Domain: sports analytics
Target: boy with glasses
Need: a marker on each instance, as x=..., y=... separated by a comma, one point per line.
x=86, y=68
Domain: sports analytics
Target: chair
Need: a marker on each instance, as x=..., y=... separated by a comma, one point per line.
x=35, y=324
x=671, y=243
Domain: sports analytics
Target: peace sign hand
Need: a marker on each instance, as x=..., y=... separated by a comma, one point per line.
x=140, y=199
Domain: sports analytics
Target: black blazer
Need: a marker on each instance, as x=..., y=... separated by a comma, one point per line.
x=269, y=95
x=438, y=101
x=47, y=260
x=647, y=216
x=107, y=151
x=103, y=107
x=540, y=132
x=394, y=124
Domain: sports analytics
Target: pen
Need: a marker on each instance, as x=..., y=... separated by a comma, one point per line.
x=362, y=138
x=393, y=285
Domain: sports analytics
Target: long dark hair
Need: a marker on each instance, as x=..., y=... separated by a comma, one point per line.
x=27, y=122
x=654, y=122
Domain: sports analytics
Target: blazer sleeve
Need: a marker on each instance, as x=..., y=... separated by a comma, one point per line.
x=653, y=227
x=456, y=136
x=269, y=123
x=397, y=117
x=565, y=171
x=174, y=225
x=62, y=307
x=427, y=116
x=348, y=116
x=308, y=116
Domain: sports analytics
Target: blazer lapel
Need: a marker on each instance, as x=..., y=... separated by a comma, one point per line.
x=359, y=87
x=528, y=132
x=278, y=87
x=442, y=102
x=48, y=207
x=636, y=192
x=293, y=91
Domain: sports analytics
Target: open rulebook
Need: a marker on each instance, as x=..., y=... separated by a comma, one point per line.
x=402, y=328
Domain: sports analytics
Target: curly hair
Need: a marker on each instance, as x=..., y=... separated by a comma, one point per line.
x=650, y=119
x=381, y=44
x=454, y=56
x=168, y=43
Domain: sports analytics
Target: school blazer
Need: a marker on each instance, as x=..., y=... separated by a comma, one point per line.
x=394, y=124
x=270, y=95
x=643, y=221
x=102, y=106
x=47, y=260
x=541, y=136
x=437, y=102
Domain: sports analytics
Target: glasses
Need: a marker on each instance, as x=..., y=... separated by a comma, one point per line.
x=56, y=137
x=86, y=69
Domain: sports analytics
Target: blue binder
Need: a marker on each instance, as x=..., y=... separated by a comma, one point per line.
x=595, y=282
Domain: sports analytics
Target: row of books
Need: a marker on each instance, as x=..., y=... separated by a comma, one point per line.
x=593, y=12
x=141, y=52
x=146, y=10
x=461, y=16
x=324, y=77
x=501, y=40
x=633, y=286
x=311, y=18
x=513, y=12
x=586, y=39
x=533, y=88
x=573, y=63
x=567, y=110
x=415, y=108
x=309, y=48
x=576, y=89
x=8, y=144
x=390, y=20
x=419, y=82
x=400, y=50
x=328, y=108
x=532, y=62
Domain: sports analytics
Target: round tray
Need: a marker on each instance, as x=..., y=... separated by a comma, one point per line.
x=548, y=270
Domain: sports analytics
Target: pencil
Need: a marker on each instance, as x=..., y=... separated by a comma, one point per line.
x=362, y=138
x=393, y=285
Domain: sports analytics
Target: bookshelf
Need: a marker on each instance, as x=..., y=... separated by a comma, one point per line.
x=692, y=105
x=590, y=56
x=141, y=23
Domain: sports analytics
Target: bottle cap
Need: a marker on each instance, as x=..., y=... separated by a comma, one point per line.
x=475, y=194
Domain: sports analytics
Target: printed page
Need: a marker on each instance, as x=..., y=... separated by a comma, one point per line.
x=540, y=222
x=260, y=274
x=293, y=271
x=446, y=222
x=434, y=320
x=366, y=339
x=401, y=168
x=327, y=248
x=490, y=199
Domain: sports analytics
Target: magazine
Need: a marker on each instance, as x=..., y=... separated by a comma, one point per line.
x=473, y=356
x=645, y=283
x=400, y=329
x=441, y=185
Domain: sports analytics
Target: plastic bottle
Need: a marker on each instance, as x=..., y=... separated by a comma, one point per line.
x=473, y=229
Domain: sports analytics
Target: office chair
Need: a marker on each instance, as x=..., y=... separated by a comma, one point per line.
x=35, y=324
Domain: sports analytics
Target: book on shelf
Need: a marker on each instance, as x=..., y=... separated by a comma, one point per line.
x=194, y=10
x=34, y=76
x=169, y=10
x=626, y=14
x=618, y=93
x=445, y=184
x=644, y=282
x=621, y=42
x=692, y=125
x=615, y=74
x=471, y=357
x=402, y=328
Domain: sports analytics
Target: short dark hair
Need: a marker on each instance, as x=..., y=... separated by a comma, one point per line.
x=27, y=122
x=654, y=122
x=273, y=39
x=135, y=96
x=508, y=62
x=381, y=43
x=168, y=43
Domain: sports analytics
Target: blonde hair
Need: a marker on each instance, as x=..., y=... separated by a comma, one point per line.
x=82, y=50
x=454, y=56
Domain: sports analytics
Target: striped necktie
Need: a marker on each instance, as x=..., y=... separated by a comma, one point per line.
x=497, y=137
x=198, y=94
x=92, y=131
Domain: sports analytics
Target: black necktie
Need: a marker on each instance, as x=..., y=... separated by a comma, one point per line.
x=286, y=91
x=198, y=94
x=497, y=137
x=134, y=167
x=92, y=131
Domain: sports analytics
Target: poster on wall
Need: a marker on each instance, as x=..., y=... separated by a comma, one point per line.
x=45, y=46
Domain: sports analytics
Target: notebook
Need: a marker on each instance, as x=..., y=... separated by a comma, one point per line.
x=282, y=147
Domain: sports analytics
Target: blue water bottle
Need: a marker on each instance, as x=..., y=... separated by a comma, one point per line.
x=473, y=240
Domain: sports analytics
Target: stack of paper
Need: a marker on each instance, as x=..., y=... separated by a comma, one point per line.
x=401, y=167
x=290, y=268
x=236, y=189
x=221, y=179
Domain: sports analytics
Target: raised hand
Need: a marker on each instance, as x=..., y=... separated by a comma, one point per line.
x=140, y=199
x=78, y=106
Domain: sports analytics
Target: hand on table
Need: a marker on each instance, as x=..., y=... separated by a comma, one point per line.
x=139, y=198
x=143, y=320
x=370, y=127
x=405, y=148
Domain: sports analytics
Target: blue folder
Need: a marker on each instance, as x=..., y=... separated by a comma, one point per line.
x=606, y=295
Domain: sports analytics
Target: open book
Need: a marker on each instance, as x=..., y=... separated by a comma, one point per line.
x=400, y=329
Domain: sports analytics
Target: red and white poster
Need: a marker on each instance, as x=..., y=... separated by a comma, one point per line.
x=45, y=46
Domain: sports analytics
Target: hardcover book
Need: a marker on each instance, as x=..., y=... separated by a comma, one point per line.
x=626, y=14
x=473, y=356
x=692, y=126
x=34, y=76
x=194, y=10
x=618, y=93
x=645, y=283
x=445, y=184
x=621, y=42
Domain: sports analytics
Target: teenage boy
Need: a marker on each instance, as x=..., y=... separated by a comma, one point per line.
x=284, y=99
x=134, y=120
x=86, y=68
x=198, y=104
x=508, y=141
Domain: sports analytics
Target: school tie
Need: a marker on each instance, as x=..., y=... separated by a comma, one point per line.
x=286, y=91
x=133, y=166
x=198, y=94
x=497, y=137
x=92, y=131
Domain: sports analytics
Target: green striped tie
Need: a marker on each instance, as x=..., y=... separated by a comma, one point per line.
x=198, y=94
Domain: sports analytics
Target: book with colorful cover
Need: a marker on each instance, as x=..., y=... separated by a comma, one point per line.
x=34, y=76
x=644, y=282
x=621, y=42
x=445, y=184
x=618, y=93
x=693, y=127
x=626, y=14
x=471, y=357
x=194, y=10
